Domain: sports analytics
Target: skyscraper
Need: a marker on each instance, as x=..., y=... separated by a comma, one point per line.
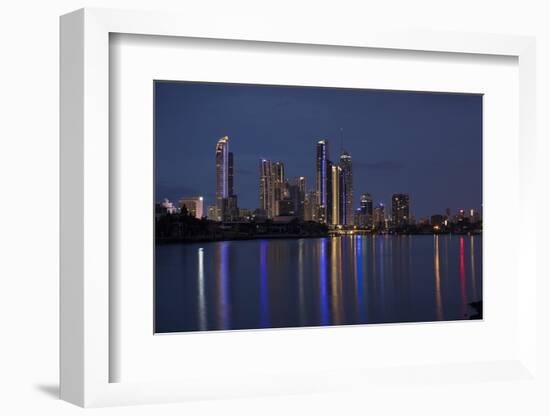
x=379, y=216
x=400, y=210
x=297, y=194
x=278, y=174
x=364, y=214
x=366, y=204
x=336, y=195
x=322, y=179
x=267, y=194
x=231, y=209
x=347, y=189
x=222, y=175
x=230, y=175
x=311, y=210
x=273, y=187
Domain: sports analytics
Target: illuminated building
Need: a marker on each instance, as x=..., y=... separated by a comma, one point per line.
x=360, y=218
x=164, y=207
x=335, y=195
x=322, y=180
x=231, y=209
x=279, y=185
x=379, y=216
x=223, y=169
x=212, y=213
x=230, y=175
x=273, y=187
x=346, y=190
x=245, y=214
x=297, y=194
x=310, y=206
x=286, y=208
x=365, y=210
x=474, y=216
x=400, y=210
x=267, y=194
x=193, y=205
x=167, y=207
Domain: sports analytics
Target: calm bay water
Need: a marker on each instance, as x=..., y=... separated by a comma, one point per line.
x=311, y=282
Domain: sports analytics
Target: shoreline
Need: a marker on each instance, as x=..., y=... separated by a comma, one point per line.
x=166, y=241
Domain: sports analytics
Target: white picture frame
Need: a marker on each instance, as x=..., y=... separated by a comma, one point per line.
x=85, y=183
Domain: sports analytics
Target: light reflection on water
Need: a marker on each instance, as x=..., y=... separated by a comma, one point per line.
x=311, y=282
x=438, y=301
x=202, y=299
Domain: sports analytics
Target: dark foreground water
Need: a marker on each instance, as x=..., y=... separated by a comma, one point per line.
x=308, y=282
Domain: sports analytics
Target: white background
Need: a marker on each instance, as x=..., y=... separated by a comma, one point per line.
x=29, y=209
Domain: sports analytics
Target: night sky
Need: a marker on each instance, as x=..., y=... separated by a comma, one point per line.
x=426, y=144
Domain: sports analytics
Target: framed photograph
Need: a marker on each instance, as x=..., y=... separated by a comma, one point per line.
x=243, y=215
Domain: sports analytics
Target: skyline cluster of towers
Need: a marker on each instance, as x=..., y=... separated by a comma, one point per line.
x=333, y=187
x=283, y=199
x=331, y=202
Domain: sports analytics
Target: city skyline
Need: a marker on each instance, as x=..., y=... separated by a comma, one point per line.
x=379, y=178
x=329, y=202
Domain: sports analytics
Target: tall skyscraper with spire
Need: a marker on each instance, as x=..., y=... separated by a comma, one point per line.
x=224, y=178
x=322, y=179
x=346, y=191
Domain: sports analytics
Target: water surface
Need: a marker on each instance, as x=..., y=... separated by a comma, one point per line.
x=322, y=281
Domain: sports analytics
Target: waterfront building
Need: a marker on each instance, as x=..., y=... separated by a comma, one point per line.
x=212, y=213
x=474, y=216
x=336, y=196
x=279, y=185
x=286, y=208
x=259, y=215
x=360, y=219
x=310, y=206
x=273, y=187
x=224, y=165
x=379, y=216
x=346, y=189
x=245, y=214
x=297, y=194
x=230, y=190
x=400, y=210
x=193, y=205
x=231, y=209
x=166, y=207
x=267, y=193
x=366, y=208
x=322, y=180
